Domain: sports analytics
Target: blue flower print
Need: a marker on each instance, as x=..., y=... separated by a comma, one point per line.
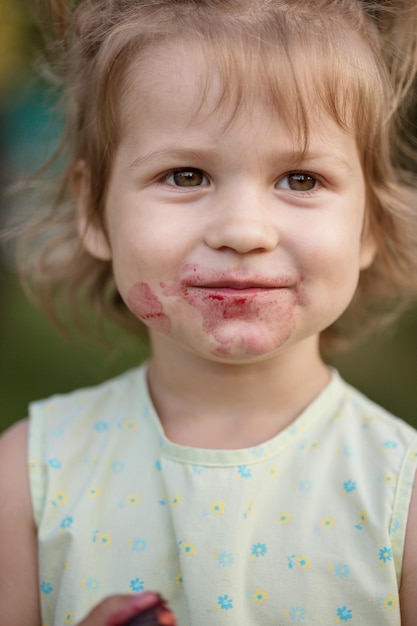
x=137, y=585
x=390, y=445
x=344, y=614
x=349, y=486
x=225, y=603
x=117, y=467
x=244, y=471
x=54, y=463
x=198, y=469
x=158, y=465
x=139, y=545
x=93, y=584
x=342, y=570
x=385, y=554
x=258, y=549
x=101, y=427
x=225, y=559
x=46, y=588
x=306, y=486
x=258, y=451
x=297, y=614
x=67, y=522
x=394, y=526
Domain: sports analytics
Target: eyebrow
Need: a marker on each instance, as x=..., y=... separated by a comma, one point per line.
x=295, y=158
x=174, y=153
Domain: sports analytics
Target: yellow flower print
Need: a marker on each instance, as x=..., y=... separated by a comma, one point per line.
x=188, y=548
x=300, y=561
x=339, y=415
x=390, y=603
x=284, y=518
x=176, y=500
x=413, y=455
x=368, y=421
x=260, y=595
x=273, y=471
x=313, y=445
x=69, y=617
x=363, y=520
x=130, y=425
x=390, y=479
x=104, y=539
x=133, y=499
x=328, y=522
x=217, y=507
x=94, y=492
x=60, y=498
x=34, y=466
x=179, y=579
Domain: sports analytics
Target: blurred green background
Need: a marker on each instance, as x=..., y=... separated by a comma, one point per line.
x=35, y=361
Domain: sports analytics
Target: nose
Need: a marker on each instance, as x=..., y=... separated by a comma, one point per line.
x=243, y=222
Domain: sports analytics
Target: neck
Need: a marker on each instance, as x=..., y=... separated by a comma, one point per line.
x=208, y=404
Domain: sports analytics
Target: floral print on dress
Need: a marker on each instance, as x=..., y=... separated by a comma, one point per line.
x=259, y=523
x=260, y=596
x=342, y=570
x=139, y=544
x=225, y=559
x=302, y=561
x=258, y=550
x=46, y=588
x=344, y=614
x=296, y=614
x=225, y=603
x=136, y=585
x=385, y=555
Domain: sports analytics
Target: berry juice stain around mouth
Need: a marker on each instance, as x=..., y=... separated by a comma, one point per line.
x=261, y=310
x=147, y=307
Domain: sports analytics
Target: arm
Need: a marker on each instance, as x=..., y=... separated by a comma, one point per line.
x=19, y=585
x=19, y=598
x=408, y=589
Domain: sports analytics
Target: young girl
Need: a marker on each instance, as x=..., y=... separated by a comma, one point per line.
x=239, y=183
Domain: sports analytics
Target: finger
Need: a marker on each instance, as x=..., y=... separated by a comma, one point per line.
x=117, y=609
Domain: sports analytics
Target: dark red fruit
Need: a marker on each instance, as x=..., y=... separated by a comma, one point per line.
x=156, y=615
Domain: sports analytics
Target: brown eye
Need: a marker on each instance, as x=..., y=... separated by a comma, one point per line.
x=186, y=178
x=298, y=181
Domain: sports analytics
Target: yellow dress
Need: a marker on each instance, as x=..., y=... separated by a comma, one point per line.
x=307, y=528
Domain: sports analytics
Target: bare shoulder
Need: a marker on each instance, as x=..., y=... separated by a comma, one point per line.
x=18, y=543
x=408, y=590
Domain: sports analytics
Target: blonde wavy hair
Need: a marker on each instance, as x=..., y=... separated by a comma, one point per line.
x=359, y=58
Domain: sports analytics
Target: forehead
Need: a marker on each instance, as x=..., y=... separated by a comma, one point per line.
x=177, y=101
x=296, y=80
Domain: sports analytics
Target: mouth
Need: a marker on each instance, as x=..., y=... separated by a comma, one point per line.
x=230, y=285
x=235, y=281
x=230, y=290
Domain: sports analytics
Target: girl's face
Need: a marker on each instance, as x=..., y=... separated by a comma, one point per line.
x=225, y=240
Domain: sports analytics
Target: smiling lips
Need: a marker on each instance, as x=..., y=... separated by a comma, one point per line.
x=229, y=284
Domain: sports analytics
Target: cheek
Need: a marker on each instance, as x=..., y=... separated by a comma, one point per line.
x=142, y=301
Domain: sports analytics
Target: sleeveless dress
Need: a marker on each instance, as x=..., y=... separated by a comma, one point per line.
x=307, y=528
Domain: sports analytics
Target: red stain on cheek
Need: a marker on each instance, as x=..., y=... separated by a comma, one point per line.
x=147, y=307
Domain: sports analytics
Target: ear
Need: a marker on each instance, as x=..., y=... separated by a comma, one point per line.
x=90, y=230
x=368, y=246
